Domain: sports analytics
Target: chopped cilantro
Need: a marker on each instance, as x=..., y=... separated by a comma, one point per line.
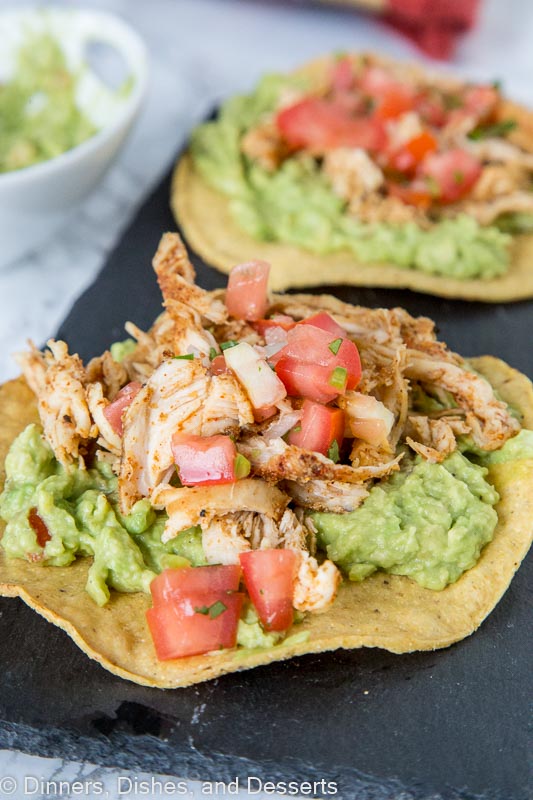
x=334, y=346
x=496, y=129
x=333, y=451
x=212, y=353
x=338, y=378
x=186, y=357
x=297, y=429
x=228, y=344
x=458, y=176
x=213, y=611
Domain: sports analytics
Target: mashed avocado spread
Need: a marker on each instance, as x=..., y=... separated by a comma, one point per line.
x=296, y=205
x=80, y=510
x=39, y=116
x=428, y=521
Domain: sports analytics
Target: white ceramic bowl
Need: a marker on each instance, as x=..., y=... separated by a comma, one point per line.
x=36, y=201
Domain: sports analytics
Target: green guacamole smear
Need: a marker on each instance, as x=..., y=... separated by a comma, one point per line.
x=296, y=205
x=429, y=522
x=80, y=510
x=39, y=116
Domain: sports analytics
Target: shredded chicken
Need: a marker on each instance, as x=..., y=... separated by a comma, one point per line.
x=275, y=461
x=433, y=439
x=265, y=145
x=195, y=505
x=487, y=417
x=58, y=381
x=320, y=495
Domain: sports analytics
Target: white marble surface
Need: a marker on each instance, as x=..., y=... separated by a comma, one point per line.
x=202, y=50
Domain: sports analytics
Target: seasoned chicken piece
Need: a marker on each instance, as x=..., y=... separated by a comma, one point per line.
x=316, y=586
x=97, y=403
x=58, y=381
x=378, y=208
x=188, y=506
x=352, y=173
x=175, y=275
x=433, y=439
x=488, y=418
x=403, y=129
x=105, y=370
x=275, y=460
x=487, y=211
x=333, y=496
x=223, y=539
x=176, y=398
x=264, y=144
x=498, y=179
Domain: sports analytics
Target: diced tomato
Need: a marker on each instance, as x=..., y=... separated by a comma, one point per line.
x=342, y=75
x=173, y=584
x=326, y=323
x=453, y=172
x=196, y=624
x=204, y=460
x=431, y=108
x=39, y=526
x=219, y=366
x=269, y=578
x=282, y=321
x=311, y=345
x=412, y=153
x=319, y=427
x=414, y=194
x=481, y=101
x=321, y=125
x=115, y=410
x=391, y=98
x=246, y=295
x=306, y=380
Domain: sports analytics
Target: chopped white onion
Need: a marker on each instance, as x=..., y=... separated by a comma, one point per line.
x=262, y=385
x=282, y=424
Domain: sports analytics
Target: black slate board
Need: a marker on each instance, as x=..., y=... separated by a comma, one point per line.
x=449, y=724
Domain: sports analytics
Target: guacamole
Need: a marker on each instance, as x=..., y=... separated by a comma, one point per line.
x=296, y=205
x=80, y=510
x=39, y=116
x=429, y=522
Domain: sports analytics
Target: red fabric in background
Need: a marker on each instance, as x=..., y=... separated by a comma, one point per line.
x=433, y=25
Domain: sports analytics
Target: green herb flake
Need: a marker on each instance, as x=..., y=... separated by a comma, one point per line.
x=338, y=378
x=333, y=451
x=241, y=467
x=458, y=176
x=186, y=357
x=212, y=353
x=335, y=345
x=217, y=609
x=297, y=429
x=228, y=344
x=496, y=129
x=213, y=611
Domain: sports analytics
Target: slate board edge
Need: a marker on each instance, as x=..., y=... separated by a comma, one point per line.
x=151, y=755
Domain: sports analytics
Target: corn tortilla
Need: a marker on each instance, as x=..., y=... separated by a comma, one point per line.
x=385, y=611
x=204, y=217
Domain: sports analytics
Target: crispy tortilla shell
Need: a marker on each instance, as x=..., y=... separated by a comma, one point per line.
x=205, y=219
x=384, y=611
